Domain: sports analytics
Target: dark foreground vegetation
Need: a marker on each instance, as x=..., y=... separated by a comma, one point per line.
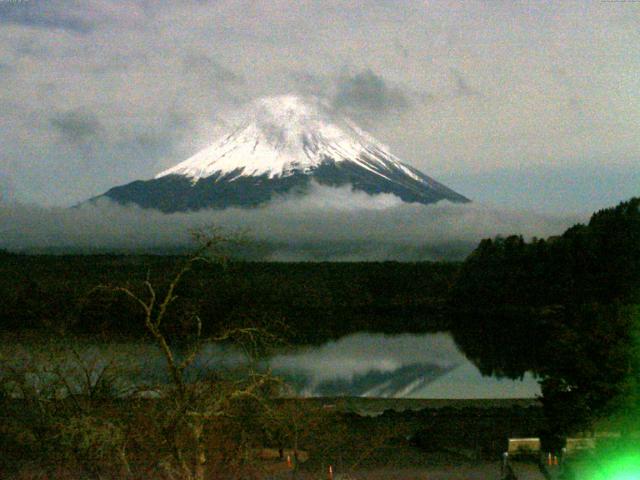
x=97, y=437
x=564, y=308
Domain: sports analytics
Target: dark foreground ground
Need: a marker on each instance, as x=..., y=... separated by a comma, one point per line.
x=364, y=438
x=470, y=471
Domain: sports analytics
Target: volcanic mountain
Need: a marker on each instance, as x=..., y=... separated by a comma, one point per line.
x=283, y=145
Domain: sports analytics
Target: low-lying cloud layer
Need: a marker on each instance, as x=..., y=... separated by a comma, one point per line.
x=327, y=224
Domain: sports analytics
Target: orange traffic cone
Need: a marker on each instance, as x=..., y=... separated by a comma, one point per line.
x=330, y=472
x=549, y=461
x=289, y=464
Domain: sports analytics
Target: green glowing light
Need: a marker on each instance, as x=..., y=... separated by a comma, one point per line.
x=625, y=467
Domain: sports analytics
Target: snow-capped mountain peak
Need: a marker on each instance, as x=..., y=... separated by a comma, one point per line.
x=282, y=135
x=282, y=144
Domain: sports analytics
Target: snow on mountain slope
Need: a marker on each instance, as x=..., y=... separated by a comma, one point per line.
x=284, y=135
x=282, y=144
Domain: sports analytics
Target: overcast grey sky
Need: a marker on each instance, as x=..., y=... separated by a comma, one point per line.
x=521, y=104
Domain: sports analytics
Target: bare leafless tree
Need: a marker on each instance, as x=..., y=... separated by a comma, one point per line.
x=196, y=403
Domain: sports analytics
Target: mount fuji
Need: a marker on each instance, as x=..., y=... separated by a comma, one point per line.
x=283, y=145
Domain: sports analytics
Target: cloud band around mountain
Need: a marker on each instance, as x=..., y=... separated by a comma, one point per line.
x=327, y=224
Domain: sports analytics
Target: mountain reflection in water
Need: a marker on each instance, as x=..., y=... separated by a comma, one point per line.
x=362, y=364
x=393, y=366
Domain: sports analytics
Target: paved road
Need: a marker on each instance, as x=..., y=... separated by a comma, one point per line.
x=527, y=471
x=482, y=471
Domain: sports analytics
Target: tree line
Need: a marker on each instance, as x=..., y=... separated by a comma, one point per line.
x=317, y=301
x=564, y=308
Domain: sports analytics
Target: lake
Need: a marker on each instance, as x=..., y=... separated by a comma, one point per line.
x=368, y=365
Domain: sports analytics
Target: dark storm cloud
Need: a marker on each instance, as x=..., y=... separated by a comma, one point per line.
x=43, y=14
x=76, y=126
x=368, y=91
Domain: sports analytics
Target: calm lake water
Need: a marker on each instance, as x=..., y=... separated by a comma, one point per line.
x=371, y=365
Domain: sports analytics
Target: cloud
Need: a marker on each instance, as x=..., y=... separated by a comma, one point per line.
x=368, y=364
x=207, y=67
x=329, y=224
x=132, y=62
x=6, y=188
x=76, y=126
x=76, y=17
x=154, y=140
x=48, y=15
x=368, y=91
x=311, y=84
x=361, y=353
x=463, y=89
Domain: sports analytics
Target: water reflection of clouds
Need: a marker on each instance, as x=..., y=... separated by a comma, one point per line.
x=362, y=364
x=363, y=352
x=365, y=364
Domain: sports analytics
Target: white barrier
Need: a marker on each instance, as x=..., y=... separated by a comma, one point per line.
x=523, y=446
